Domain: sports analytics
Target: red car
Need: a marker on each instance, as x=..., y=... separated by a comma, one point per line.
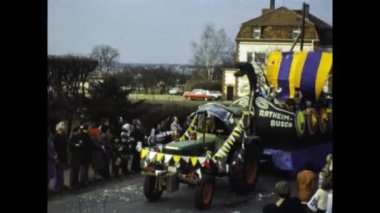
x=199, y=94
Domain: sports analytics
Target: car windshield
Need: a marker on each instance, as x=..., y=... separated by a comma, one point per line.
x=211, y=124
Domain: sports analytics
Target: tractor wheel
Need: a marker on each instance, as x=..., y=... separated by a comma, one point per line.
x=150, y=191
x=204, y=192
x=243, y=175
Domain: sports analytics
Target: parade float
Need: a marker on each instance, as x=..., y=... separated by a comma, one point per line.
x=287, y=111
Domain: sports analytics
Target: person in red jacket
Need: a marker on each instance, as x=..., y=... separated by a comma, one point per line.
x=306, y=184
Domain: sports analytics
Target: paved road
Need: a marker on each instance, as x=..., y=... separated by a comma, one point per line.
x=125, y=195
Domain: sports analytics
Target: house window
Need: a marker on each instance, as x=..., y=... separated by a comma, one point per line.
x=256, y=32
x=249, y=57
x=296, y=32
x=260, y=57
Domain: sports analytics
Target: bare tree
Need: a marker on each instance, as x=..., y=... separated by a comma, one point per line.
x=105, y=55
x=65, y=76
x=213, y=49
x=149, y=77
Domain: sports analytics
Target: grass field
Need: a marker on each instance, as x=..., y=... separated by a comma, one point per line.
x=157, y=97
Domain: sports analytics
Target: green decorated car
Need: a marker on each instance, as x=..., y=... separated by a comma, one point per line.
x=215, y=144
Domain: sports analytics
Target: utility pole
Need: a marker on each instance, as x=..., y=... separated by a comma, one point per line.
x=301, y=35
x=303, y=24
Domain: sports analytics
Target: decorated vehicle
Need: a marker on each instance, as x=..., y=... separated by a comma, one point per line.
x=213, y=145
x=285, y=108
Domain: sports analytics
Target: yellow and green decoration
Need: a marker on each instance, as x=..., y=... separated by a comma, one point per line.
x=222, y=152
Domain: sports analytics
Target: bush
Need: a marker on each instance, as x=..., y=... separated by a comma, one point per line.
x=109, y=100
x=203, y=84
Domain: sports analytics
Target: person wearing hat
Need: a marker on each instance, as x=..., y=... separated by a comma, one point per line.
x=86, y=152
x=306, y=183
x=128, y=147
x=98, y=154
x=176, y=128
x=60, y=145
x=285, y=203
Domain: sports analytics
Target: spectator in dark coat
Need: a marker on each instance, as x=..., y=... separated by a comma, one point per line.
x=117, y=152
x=99, y=158
x=118, y=126
x=96, y=152
x=52, y=159
x=86, y=153
x=285, y=204
x=107, y=138
x=75, y=147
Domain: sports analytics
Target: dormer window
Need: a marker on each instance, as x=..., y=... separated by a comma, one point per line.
x=256, y=32
x=296, y=32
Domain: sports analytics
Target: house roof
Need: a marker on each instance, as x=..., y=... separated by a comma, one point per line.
x=318, y=22
x=281, y=16
x=284, y=17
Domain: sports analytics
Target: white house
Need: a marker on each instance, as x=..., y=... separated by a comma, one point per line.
x=275, y=29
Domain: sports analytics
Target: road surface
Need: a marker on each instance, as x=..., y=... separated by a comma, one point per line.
x=125, y=194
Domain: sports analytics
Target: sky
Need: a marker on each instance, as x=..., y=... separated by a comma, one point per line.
x=153, y=31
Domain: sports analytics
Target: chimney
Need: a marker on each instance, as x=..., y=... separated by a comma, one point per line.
x=271, y=6
x=307, y=10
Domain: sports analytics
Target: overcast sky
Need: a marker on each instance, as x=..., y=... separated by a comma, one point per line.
x=153, y=31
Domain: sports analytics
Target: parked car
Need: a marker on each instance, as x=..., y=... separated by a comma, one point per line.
x=199, y=94
x=217, y=94
x=175, y=91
